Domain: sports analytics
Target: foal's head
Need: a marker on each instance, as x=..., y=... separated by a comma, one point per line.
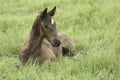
x=48, y=26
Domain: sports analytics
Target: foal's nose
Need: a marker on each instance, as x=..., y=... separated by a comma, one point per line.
x=56, y=42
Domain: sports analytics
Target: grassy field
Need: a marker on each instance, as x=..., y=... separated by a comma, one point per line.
x=94, y=25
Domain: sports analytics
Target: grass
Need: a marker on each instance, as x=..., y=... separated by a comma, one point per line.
x=94, y=25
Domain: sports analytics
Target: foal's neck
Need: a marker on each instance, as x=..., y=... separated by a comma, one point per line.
x=36, y=36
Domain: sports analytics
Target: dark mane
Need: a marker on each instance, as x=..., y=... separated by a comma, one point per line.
x=35, y=32
x=35, y=35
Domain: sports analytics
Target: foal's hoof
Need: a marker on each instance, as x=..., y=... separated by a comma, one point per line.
x=17, y=66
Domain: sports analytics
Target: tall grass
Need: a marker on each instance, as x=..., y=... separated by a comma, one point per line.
x=94, y=25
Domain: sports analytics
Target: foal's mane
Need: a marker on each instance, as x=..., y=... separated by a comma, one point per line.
x=37, y=34
x=35, y=27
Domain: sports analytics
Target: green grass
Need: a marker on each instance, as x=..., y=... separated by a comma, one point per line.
x=94, y=25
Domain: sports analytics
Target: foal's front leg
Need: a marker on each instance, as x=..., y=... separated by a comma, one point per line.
x=46, y=54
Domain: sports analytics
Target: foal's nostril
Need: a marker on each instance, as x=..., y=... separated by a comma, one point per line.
x=56, y=43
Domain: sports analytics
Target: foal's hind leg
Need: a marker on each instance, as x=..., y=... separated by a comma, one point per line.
x=67, y=44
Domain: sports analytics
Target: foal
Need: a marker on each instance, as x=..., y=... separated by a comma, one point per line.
x=44, y=42
x=43, y=33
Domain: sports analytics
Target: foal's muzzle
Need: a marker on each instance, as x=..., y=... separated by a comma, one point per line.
x=55, y=42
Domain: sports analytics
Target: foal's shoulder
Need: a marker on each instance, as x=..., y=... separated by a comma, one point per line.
x=46, y=42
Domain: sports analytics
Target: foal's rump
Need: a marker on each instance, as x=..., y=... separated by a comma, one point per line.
x=67, y=44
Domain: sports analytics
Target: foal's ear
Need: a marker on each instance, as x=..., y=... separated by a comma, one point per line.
x=44, y=13
x=52, y=12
